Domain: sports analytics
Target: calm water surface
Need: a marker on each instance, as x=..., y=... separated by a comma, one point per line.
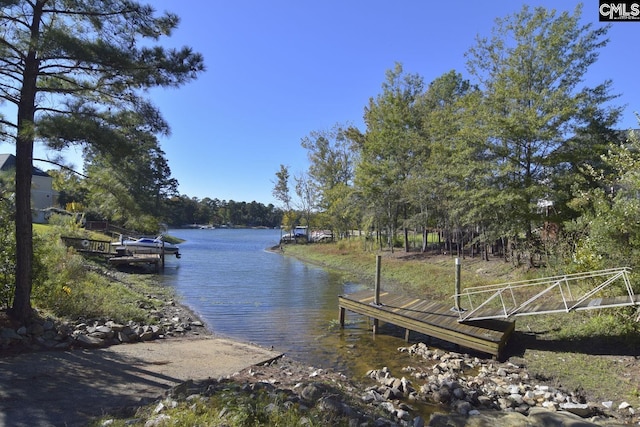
x=245, y=292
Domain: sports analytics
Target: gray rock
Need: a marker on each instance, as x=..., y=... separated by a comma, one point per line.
x=462, y=407
x=581, y=409
x=89, y=341
x=542, y=417
x=146, y=336
x=48, y=325
x=35, y=329
x=310, y=392
x=102, y=332
x=401, y=414
x=116, y=327
x=9, y=334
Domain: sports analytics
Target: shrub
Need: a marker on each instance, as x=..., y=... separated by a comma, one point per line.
x=66, y=286
x=7, y=252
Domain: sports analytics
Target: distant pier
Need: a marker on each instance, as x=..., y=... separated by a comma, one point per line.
x=115, y=257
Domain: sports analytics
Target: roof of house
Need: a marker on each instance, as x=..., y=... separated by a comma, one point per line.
x=8, y=163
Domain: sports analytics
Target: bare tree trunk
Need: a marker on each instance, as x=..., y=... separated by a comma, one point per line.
x=21, y=308
x=406, y=240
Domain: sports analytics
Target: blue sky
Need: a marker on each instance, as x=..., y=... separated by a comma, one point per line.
x=278, y=70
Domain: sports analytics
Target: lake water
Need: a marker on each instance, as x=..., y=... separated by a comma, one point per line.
x=243, y=291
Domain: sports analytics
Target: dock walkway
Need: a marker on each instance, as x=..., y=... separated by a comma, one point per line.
x=153, y=259
x=115, y=257
x=431, y=318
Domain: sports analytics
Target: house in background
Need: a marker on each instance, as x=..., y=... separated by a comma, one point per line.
x=42, y=194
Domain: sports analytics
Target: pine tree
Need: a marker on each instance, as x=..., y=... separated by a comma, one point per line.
x=75, y=70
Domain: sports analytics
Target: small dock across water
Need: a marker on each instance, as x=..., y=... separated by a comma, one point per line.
x=432, y=318
x=115, y=257
x=137, y=259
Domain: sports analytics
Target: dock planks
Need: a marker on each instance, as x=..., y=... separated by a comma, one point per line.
x=431, y=318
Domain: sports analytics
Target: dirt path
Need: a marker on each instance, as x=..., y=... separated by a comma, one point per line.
x=70, y=388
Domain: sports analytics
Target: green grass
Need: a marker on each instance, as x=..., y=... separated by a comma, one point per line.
x=68, y=286
x=602, y=378
x=413, y=273
x=231, y=404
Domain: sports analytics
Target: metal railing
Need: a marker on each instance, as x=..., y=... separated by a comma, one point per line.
x=555, y=294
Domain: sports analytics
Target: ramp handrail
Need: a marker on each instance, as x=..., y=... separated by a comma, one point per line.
x=479, y=299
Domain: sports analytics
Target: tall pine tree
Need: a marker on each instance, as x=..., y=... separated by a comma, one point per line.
x=78, y=66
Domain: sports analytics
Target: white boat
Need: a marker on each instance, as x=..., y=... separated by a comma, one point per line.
x=146, y=245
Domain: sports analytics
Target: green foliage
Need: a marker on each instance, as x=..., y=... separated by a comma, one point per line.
x=398, y=241
x=290, y=219
x=608, y=230
x=333, y=155
x=532, y=106
x=90, y=66
x=281, y=187
x=308, y=195
x=189, y=210
x=231, y=406
x=7, y=249
x=128, y=187
x=70, y=224
x=69, y=186
x=66, y=286
x=392, y=148
x=478, y=159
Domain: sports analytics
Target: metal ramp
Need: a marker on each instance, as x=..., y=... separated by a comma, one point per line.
x=558, y=294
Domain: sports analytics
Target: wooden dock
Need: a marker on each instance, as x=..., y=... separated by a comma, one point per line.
x=135, y=259
x=116, y=256
x=435, y=319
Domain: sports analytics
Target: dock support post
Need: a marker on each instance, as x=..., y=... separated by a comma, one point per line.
x=341, y=317
x=457, y=294
x=376, y=298
x=162, y=256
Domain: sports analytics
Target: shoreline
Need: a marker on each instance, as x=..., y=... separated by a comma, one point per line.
x=386, y=398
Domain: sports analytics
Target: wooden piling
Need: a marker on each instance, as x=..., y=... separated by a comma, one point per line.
x=457, y=289
x=376, y=300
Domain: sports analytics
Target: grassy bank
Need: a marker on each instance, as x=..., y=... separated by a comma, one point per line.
x=594, y=351
x=67, y=286
x=413, y=272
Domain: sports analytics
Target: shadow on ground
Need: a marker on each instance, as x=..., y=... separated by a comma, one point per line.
x=73, y=387
x=596, y=345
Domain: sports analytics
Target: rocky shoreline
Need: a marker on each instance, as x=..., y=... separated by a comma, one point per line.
x=460, y=390
x=171, y=320
x=468, y=392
